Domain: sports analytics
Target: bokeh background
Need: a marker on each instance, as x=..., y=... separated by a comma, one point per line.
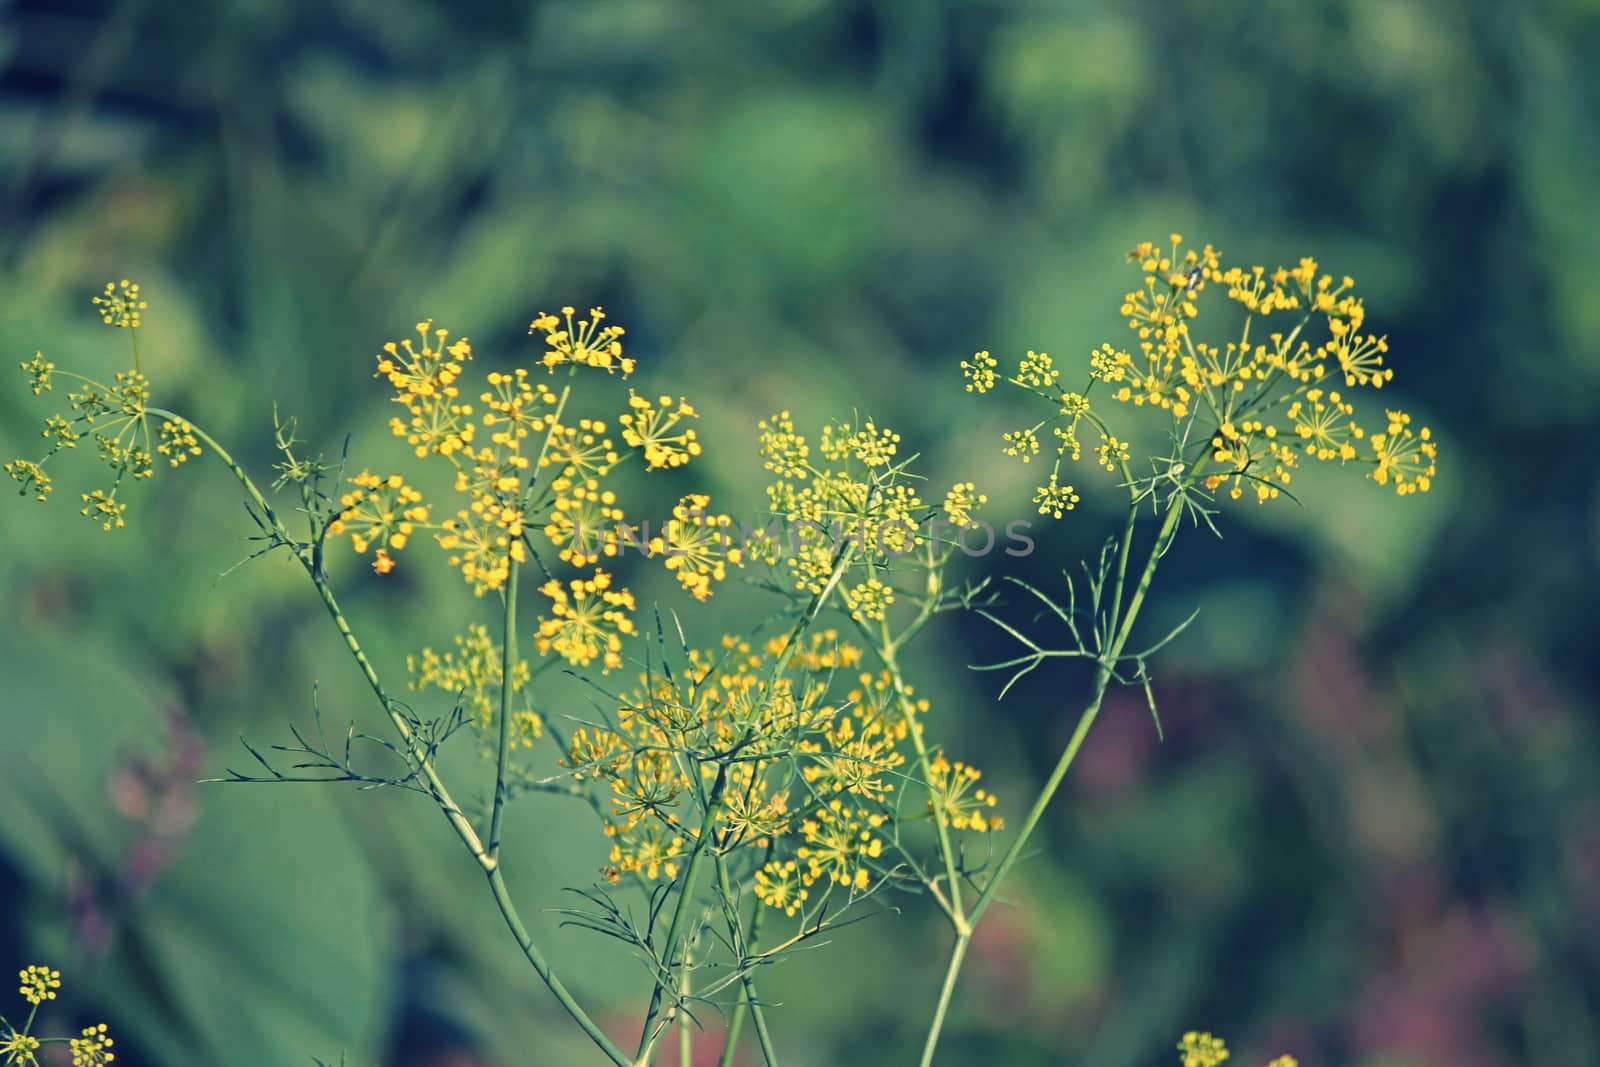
x=1372, y=834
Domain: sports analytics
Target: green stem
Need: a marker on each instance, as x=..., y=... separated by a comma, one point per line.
x=841, y=563
x=508, y=659
x=1086, y=719
x=685, y=893
x=441, y=795
x=497, y=885
x=685, y=1035
x=749, y=1004
x=953, y=907
x=958, y=955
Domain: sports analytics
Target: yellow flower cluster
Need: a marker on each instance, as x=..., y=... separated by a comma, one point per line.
x=382, y=511
x=121, y=304
x=471, y=673
x=856, y=499
x=588, y=620
x=522, y=463
x=652, y=427
x=21, y=1048
x=734, y=717
x=1201, y=1049
x=1269, y=395
x=698, y=546
x=585, y=343
x=115, y=417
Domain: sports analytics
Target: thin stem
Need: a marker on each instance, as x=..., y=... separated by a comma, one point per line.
x=953, y=907
x=749, y=1004
x=502, y=897
x=685, y=1035
x=508, y=659
x=958, y=955
x=1086, y=719
x=463, y=827
x=685, y=893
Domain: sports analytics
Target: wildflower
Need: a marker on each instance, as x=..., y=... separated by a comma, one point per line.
x=1024, y=444
x=869, y=601
x=178, y=441
x=39, y=984
x=588, y=620
x=424, y=376
x=979, y=372
x=120, y=304
x=583, y=524
x=31, y=477
x=381, y=511
x=872, y=446
x=649, y=849
x=472, y=673
x=1403, y=456
x=104, y=508
x=19, y=1049
x=840, y=842
x=697, y=545
x=583, y=343
x=1202, y=1050
x=92, y=1048
x=648, y=426
x=1111, y=452
x=483, y=542
x=1323, y=421
x=1053, y=499
x=579, y=451
x=1106, y=364
x=783, y=451
x=38, y=370
x=961, y=502
x=964, y=806
x=1036, y=371
x=1263, y=393
x=778, y=885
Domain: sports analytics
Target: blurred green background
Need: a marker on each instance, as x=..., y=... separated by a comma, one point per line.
x=1372, y=834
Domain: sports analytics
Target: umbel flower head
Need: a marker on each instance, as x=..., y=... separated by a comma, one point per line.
x=114, y=416
x=1277, y=391
x=21, y=1048
x=761, y=714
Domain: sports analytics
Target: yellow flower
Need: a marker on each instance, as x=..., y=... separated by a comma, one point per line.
x=961, y=502
x=38, y=370
x=979, y=372
x=425, y=375
x=472, y=675
x=120, y=304
x=178, y=441
x=964, y=806
x=1053, y=499
x=588, y=620
x=93, y=1048
x=778, y=885
x=697, y=545
x=1403, y=456
x=19, y=1050
x=649, y=426
x=39, y=984
x=869, y=601
x=380, y=511
x=840, y=843
x=583, y=343
x=1202, y=1050
x=583, y=524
